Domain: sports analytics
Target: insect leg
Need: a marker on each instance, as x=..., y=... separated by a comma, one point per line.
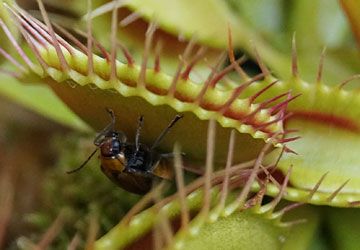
x=98, y=140
x=137, y=144
x=84, y=163
x=164, y=133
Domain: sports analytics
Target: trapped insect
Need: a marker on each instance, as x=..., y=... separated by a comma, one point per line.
x=132, y=166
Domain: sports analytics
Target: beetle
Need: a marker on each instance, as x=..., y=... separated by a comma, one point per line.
x=131, y=166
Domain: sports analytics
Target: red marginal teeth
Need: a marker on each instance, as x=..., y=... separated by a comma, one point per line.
x=262, y=126
x=90, y=42
x=261, y=106
x=12, y=60
x=282, y=104
x=183, y=58
x=11, y=73
x=284, y=107
x=277, y=199
x=33, y=24
x=34, y=30
x=252, y=99
x=33, y=40
x=238, y=91
x=238, y=69
x=147, y=46
x=321, y=65
x=333, y=195
x=114, y=23
x=289, y=139
x=158, y=49
x=219, y=76
x=260, y=62
x=196, y=59
x=16, y=45
x=290, y=207
x=295, y=71
x=73, y=39
x=288, y=150
x=64, y=65
x=96, y=42
x=225, y=185
x=219, y=62
x=341, y=85
x=316, y=187
x=126, y=53
x=102, y=50
x=33, y=47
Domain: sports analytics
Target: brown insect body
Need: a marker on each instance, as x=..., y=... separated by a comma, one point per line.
x=133, y=167
x=132, y=170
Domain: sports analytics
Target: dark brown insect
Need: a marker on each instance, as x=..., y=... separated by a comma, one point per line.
x=133, y=167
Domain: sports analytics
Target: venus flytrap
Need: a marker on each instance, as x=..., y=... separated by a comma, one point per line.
x=313, y=127
x=194, y=234
x=205, y=101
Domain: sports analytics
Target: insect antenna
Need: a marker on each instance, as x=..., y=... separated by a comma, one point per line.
x=97, y=140
x=137, y=144
x=84, y=163
x=164, y=133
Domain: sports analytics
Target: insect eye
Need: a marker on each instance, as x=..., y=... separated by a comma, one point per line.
x=115, y=146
